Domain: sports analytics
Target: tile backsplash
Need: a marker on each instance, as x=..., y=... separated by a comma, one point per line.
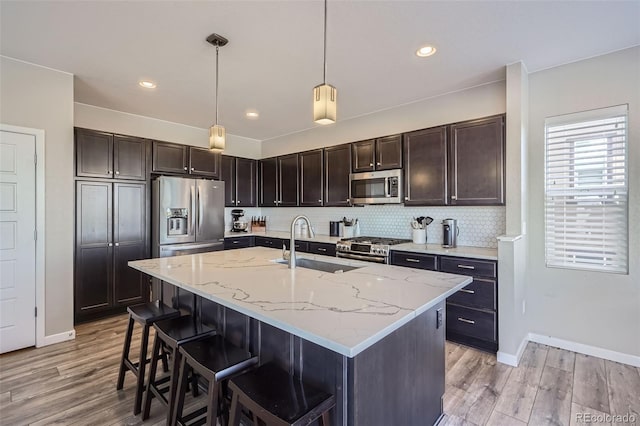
x=479, y=226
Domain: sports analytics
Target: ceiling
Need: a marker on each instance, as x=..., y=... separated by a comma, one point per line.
x=274, y=55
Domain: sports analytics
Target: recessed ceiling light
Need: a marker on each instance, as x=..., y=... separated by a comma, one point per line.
x=147, y=84
x=252, y=114
x=425, y=51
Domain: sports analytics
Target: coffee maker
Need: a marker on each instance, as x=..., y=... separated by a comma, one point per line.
x=237, y=224
x=450, y=233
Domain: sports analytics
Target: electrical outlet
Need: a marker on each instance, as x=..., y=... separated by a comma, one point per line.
x=524, y=306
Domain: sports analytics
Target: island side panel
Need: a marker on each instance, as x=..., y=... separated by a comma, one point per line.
x=400, y=380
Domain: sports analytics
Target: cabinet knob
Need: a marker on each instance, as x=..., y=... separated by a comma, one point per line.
x=454, y=197
x=406, y=198
x=117, y=172
x=275, y=201
x=117, y=244
x=232, y=201
x=238, y=201
x=110, y=244
x=378, y=164
x=109, y=172
x=319, y=201
x=185, y=168
x=193, y=169
x=371, y=164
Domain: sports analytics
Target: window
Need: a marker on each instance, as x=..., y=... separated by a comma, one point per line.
x=586, y=208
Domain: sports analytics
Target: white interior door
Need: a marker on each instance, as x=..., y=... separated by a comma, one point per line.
x=17, y=241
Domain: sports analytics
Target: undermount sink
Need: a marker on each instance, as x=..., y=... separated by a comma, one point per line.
x=317, y=265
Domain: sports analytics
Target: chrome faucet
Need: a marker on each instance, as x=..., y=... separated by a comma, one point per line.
x=292, y=242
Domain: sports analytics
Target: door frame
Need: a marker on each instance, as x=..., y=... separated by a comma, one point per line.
x=40, y=226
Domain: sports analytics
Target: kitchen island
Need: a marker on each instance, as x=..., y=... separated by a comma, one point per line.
x=372, y=336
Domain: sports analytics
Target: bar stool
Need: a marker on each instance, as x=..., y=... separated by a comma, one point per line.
x=216, y=360
x=278, y=399
x=144, y=314
x=172, y=333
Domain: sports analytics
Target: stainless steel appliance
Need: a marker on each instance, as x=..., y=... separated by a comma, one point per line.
x=382, y=187
x=371, y=249
x=237, y=224
x=187, y=216
x=450, y=233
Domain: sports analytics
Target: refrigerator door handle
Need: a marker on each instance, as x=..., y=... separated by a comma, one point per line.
x=193, y=209
x=200, y=209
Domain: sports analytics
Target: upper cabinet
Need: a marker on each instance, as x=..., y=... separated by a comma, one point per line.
x=268, y=194
x=337, y=166
x=104, y=155
x=377, y=154
x=278, y=181
x=183, y=159
x=425, y=167
x=311, y=178
x=239, y=176
x=476, y=163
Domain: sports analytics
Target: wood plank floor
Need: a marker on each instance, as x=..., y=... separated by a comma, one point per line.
x=73, y=383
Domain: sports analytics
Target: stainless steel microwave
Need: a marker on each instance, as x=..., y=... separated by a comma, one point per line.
x=383, y=187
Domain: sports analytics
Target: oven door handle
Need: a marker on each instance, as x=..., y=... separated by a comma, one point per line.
x=377, y=259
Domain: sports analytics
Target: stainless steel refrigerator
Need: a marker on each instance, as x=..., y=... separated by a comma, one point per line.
x=187, y=216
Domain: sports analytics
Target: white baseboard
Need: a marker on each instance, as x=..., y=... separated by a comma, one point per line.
x=586, y=349
x=511, y=359
x=58, y=338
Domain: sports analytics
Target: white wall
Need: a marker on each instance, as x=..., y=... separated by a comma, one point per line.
x=472, y=103
x=108, y=120
x=41, y=98
x=590, y=308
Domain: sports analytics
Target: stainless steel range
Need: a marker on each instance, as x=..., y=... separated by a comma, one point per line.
x=371, y=249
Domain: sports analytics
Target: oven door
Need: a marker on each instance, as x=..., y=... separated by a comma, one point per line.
x=365, y=257
x=375, y=187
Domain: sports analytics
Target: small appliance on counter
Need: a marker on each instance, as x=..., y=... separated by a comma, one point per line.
x=450, y=233
x=237, y=223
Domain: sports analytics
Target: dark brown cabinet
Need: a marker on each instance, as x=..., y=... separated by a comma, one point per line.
x=477, y=162
x=337, y=161
x=111, y=229
x=105, y=155
x=239, y=175
x=377, y=154
x=204, y=162
x=425, y=167
x=183, y=159
x=278, y=181
x=311, y=178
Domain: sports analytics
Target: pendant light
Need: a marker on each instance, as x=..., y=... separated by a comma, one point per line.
x=324, y=95
x=217, y=134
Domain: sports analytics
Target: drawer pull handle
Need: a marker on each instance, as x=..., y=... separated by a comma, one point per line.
x=413, y=260
x=468, y=321
x=464, y=290
x=322, y=249
x=466, y=267
x=236, y=242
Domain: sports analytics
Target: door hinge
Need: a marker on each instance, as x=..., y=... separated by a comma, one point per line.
x=35, y=311
x=35, y=159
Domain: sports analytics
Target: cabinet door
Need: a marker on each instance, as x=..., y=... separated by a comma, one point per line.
x=363, y=156
x=311, y=171
x=425, y=167
x=336, y=173
x=477, y=162
x=94, y=154
x=389, y=152
x=204, y=162
x=228, y=175
x=169, y=157
x=129, y=158
x=245, y=182
x=130, y=242
x=94, y=247
x=268, y=175
x=288, y=180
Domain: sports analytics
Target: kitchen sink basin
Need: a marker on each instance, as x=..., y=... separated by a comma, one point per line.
x=317, y=265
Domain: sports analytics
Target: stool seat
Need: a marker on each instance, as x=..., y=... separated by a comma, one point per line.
x=177, y=331
x=218, y=356
x=281, y=394
x=148, y=313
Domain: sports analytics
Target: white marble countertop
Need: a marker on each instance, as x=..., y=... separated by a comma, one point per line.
x=460, y=251
x=284, y=235
x=345, y=312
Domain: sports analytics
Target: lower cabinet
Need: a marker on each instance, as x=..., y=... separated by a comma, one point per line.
x=301, y=246
x=270, y=242
x=472, y=312
x=111, y=230
x=231, y=243
x=325, y=249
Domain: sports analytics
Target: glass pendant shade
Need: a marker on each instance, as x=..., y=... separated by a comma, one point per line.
x=325, y=104
x=216, y=138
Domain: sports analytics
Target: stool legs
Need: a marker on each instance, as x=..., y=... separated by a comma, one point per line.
x=141, y=370
x=152, y=377
x=182, y=387
x=125, y=354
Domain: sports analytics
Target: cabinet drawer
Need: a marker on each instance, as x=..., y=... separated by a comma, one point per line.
x=414, y=260
x=322, y=248
x=481, y=293
x=471, y=322
x=301, y=246
x=473, y=267
x=268, y=242
x=237, y=242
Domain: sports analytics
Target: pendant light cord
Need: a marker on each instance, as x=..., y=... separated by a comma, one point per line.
x=324, y=74
x=217, y=48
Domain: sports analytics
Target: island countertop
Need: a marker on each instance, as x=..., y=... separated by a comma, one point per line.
x=345, y=312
